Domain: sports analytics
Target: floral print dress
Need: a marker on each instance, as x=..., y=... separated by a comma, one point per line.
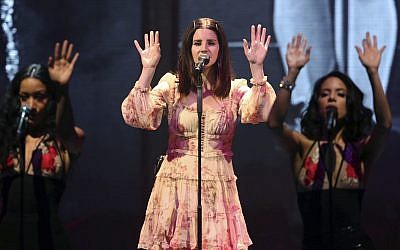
x=343, y=204
x=171, y=215
x=349, y=169
x=40, y=188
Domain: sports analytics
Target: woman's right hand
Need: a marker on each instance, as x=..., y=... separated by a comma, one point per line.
x=297, y=55
x=151, y=54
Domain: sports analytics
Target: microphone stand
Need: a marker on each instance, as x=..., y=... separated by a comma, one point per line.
x=330, y=162
x=199, y=70
x=21, y=141
x=20, y=134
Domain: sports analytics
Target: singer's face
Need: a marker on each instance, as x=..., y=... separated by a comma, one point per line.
x=33, y=93
x=205, y=41
x=333, y=93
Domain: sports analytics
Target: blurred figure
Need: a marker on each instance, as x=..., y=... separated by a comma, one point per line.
x=333, y=155
x=332, y=43
x=35, y=158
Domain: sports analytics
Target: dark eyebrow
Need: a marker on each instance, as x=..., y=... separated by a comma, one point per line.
x=33, y=93
x=208, y=40
x=327, y=89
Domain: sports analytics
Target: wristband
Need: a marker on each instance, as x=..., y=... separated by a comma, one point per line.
x=285, y=84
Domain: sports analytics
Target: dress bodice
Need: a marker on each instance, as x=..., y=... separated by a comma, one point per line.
x=348, y=171
x=218, y=126
x=49, y=159
x=144, y=107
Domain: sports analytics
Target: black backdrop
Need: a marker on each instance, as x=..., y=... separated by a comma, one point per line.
x=108, y=188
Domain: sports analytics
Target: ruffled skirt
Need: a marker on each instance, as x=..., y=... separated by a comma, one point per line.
x=171, y=215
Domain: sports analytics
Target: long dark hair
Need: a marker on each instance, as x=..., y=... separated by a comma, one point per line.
x=357, y=122
x=10, y=107
x=222, y=67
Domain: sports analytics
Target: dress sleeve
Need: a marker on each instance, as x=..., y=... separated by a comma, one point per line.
x=254, y=103
x=143, y=107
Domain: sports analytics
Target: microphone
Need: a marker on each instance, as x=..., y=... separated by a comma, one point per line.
x=204, y=59
x=22, y=119
x=331, y=117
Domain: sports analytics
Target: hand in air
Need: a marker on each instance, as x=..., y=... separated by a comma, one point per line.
x=297, y=52
x=258, y=49
x=61, y=65
x=151, y=53
x=370, y=55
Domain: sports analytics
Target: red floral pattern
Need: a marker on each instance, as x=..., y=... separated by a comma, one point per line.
x=349, y=176
x=350, y=172
x=46, y=158
x=49, y=159
x=171, y=212
x=311, y=169
x=10, y=160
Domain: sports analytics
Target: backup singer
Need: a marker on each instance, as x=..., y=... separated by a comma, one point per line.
x=51, y=143
x=357, y=145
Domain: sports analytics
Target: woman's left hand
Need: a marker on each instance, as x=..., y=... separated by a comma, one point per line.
x=259, y=46
x=62, y=64
x=370, y=55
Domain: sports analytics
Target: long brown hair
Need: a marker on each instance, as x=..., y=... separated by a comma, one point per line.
x=222, y=67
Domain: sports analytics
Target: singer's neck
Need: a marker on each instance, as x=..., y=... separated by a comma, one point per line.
x=208, y=78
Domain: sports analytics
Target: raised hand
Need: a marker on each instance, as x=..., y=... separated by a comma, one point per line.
x=62, y=64
x=297, y=52
x=258, y=49
x=370, y=55
x=151, y=54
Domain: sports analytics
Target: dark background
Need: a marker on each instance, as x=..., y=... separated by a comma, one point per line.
x=107, y=191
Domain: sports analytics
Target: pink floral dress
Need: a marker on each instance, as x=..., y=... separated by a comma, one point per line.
x=171, y=215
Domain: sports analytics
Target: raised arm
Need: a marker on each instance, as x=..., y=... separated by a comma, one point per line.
x=256, y=102
x=61, y=66
x=257, y=51
x=150, y=56
x=370, y=57
x=143, y=107
x=297, y=55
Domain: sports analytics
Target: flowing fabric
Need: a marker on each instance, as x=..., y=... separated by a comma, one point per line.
x=171, y=215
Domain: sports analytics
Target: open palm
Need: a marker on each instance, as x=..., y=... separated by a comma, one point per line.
x=258, y=49
x=296, y=54
x=151, y=54
x=370, y=55
x=62, y=64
